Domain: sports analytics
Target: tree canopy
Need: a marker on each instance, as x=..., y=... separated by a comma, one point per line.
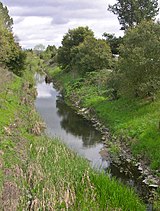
x=132, y=12
x=92, y=54
x=73, y=38
x=113, y=41
x=139, y=61
x=81, y=52
x=11, y=55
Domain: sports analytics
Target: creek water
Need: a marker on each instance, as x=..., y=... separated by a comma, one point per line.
x=81, y=136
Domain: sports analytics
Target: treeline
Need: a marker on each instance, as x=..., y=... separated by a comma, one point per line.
x=11, y=54
x=136, y=71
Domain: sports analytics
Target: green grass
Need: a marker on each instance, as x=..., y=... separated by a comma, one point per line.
x=61, y=179
x=137, y=120
x=48, y=174
x=8, y=102
x=134, y=118
x=14, y=123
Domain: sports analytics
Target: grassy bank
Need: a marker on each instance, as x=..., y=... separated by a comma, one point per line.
x=135, y=122
x=39, y=173
x=125, y=117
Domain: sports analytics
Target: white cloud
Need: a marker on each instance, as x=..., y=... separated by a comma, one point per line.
x=46, y=21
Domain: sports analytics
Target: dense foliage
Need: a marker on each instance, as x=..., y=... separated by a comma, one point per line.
x=132, y=12
x=73, y=38
x=130, y=89
x=49, y=55
x=139, y=62
x=11, y=55
x=113, y=41
x=91, y=55
x=81, y=52
x=5, y=19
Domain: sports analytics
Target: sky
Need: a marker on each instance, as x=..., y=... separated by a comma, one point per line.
x=47, y=21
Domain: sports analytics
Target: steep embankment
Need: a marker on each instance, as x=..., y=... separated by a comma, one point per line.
x=41, y=173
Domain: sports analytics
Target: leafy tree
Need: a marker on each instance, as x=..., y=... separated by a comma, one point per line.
x=113, y=42
x=132, y=12
x=73, y=38
x=11, y=54
x=91, y=55
x=6, y=20
x=139, y=59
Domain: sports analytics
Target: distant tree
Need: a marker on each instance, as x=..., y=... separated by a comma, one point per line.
x=132, y=12
x=73, y=38
x=139, y=61
x=49, y=55
x=91, y=55
x=113, y=42
x=38, y=49
x=5, y=19
x=52, y=50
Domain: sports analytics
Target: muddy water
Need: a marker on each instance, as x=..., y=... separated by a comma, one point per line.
x=80, y=135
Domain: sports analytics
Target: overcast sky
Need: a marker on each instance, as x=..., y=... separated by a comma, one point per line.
x=46, y=21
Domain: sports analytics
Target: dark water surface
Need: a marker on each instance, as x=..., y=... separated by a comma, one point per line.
x=80, y=135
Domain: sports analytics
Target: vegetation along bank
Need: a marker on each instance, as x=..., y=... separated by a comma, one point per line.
x=40, y=173
x=123, y=94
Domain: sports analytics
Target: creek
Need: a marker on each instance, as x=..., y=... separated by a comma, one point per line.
x=81, y=136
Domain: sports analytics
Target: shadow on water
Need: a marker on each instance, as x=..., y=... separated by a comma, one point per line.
x=76, y=125
x=80, y=135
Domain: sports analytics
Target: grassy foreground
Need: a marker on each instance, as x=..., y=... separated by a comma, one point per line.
x=38, y=173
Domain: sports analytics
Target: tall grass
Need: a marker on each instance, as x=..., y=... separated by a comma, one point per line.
x=59, y=179
x=48, y=175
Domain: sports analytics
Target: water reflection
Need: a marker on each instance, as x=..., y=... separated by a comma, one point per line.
x=79, y=134
x=71, y=128
x=76, y=125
